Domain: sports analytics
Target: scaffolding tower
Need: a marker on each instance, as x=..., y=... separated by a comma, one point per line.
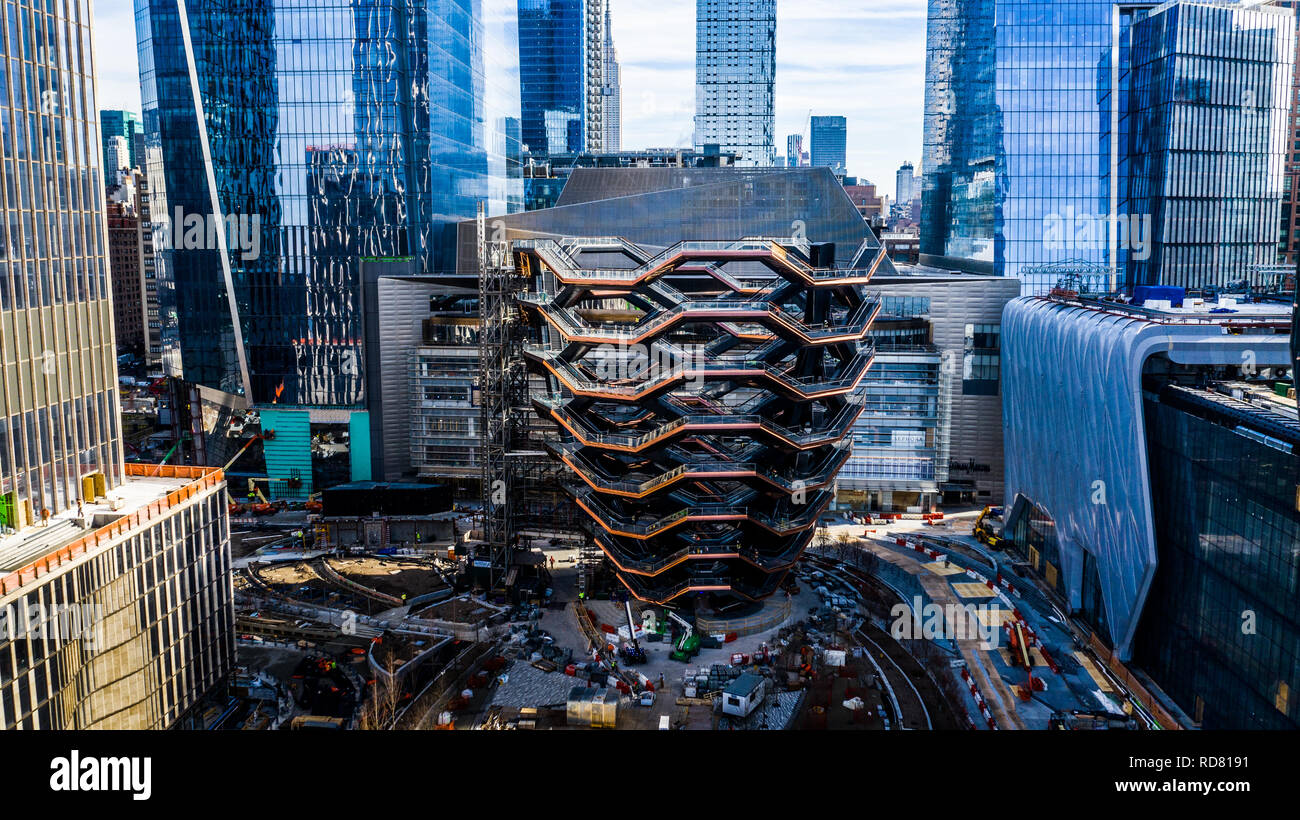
x=502, y=379
x=520, y=485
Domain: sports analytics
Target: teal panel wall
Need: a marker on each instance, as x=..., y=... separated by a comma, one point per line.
x=359, y=442
x=290, y=450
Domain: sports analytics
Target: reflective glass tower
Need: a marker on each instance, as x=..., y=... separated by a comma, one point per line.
x=564, y=86
x=830, y=143
x=552, y=87
x=289, y=141
x=59, y=420
x=1207, y=101
x=1039, y=126
x=735, y=68
x=960, y=136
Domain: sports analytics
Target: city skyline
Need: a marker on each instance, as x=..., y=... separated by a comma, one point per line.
x=657, y=70
x=370, y=333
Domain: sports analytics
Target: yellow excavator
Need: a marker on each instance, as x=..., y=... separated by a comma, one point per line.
x=989, y=532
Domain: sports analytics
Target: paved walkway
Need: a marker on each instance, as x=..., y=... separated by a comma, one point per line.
x=999, y=697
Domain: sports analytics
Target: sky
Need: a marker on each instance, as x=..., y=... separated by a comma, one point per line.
x=864, y=60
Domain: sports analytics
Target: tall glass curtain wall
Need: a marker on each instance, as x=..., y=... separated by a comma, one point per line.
x=59, y=416
x=337, y=131
x=1220, y=631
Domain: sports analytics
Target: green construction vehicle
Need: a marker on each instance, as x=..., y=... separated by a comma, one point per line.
x=688, y=646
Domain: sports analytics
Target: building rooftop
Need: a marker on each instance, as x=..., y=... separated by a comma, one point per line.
x=1250, y=406
x=1193, y=309
x=36, y=549
x=744, y=686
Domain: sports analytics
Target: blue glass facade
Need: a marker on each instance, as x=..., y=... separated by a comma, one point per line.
x=1208, y=96
x=552, y=54
x=1031, y=160
x=961, y=140
x=332, y=132
x=119, y=124
x=830, y=143
x=1049, y=89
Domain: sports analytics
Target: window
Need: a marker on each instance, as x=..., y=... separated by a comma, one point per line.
x=981, y=363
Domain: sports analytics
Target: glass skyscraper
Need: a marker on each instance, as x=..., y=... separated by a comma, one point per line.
x=124, y=124
x=59, y=419
x=552, y=90
x=1038, y=137
x=830, y=143
x=1208, y=91
x=1223, y=478
x=960, y=136
x=735, y=69
x=286, y=142
x=563, y=83
x=115, y=596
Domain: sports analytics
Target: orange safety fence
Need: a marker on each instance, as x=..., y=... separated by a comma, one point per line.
x=1130, y=681
x=203, y=478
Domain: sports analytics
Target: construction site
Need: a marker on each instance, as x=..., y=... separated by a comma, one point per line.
x=654, y=546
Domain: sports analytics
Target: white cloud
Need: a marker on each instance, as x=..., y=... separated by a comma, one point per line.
x=859, y=60
x=116, y=60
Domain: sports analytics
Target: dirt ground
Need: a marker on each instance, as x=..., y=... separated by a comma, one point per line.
x=391, y=577
x=289, y=574
x=457, y=610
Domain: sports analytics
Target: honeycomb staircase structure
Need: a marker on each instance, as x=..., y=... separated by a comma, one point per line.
x=703, y=395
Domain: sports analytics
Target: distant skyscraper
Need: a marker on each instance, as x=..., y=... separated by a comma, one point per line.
x=117, y=156
x=124, y=124
x=132, y=262
x=563, y=85
x=830, y=143
x=115, y=595
x=793, y=150
x=612, y=103
x=406, y=135
x=735, y=68
x=552, y=53
x=904, y=185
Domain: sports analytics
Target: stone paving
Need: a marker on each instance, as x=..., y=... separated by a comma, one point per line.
x=780, y=709
x=529, y=686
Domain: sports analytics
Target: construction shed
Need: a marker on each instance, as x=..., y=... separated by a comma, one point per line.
x=744, y=695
